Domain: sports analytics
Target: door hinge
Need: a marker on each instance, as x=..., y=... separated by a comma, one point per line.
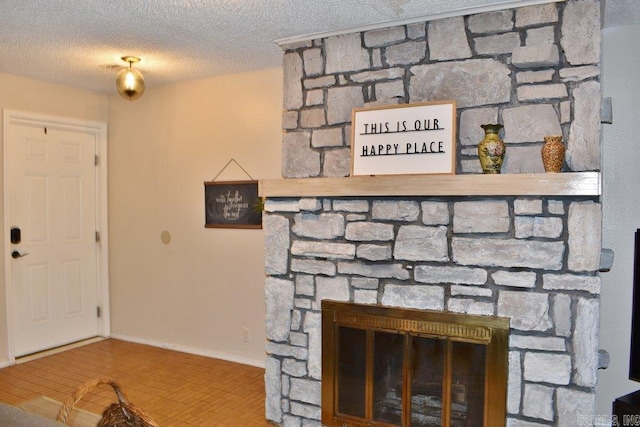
x=97, y=237
x=98, y=311
x=97, y=160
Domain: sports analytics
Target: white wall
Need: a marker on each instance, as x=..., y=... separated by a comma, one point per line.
x=199, y=291
x=621, y=205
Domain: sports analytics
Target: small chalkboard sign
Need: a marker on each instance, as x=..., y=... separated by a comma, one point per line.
x=232, y=204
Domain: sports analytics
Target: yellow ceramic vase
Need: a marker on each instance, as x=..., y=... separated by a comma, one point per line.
x=491, y=149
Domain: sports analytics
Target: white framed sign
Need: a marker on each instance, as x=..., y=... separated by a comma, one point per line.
x=404, y=139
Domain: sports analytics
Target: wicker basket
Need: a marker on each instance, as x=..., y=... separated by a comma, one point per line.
x=120, y=414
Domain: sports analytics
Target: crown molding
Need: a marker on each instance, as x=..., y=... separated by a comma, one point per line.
x=499, y=5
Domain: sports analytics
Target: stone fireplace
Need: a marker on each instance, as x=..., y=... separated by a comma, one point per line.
x=523, y=245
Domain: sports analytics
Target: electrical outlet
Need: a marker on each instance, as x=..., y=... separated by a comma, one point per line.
x=246, y=336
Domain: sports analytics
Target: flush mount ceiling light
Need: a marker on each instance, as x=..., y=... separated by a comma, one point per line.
x=129, y=82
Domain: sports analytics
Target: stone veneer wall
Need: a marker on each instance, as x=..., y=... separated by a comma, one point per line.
x=532, y=259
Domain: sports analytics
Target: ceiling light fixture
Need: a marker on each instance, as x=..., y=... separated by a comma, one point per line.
x=129, y=82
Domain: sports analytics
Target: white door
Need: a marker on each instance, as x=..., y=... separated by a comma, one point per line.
x=51, y=200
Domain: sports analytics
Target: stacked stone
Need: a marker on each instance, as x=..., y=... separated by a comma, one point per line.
x=534, y=69
x=536, y=267
x=533, y=259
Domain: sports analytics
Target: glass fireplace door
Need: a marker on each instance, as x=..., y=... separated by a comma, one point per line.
x=428, y=363
x=402, y=379
x=432, y=369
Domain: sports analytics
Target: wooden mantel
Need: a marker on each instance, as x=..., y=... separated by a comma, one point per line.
x=526, y=184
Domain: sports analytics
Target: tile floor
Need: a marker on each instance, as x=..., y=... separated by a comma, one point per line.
x=177, y=389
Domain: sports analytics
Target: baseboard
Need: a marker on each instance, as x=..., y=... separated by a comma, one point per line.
x=4, y=363
x=192, y=350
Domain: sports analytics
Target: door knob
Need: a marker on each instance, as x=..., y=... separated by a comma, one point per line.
x=16, y=255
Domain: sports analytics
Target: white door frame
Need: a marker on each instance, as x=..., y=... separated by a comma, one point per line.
x=99, y=130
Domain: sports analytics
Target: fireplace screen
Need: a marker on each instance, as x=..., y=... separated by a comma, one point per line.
x=392, y=366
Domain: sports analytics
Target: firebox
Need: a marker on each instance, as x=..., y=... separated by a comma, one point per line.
x=388, y=366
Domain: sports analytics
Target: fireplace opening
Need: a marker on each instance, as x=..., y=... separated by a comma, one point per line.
x=403, y=367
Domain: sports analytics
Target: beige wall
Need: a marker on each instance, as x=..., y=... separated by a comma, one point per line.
x=200, y=290
x=21, y=94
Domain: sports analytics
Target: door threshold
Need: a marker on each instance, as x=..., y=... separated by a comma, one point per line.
x=56, y=350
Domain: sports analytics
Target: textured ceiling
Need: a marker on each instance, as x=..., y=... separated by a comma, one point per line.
x=79, y=43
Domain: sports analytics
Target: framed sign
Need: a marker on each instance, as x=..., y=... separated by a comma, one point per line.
x=232, y=204
x=404, y=139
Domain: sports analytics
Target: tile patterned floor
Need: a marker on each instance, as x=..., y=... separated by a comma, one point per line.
x=177, y=389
